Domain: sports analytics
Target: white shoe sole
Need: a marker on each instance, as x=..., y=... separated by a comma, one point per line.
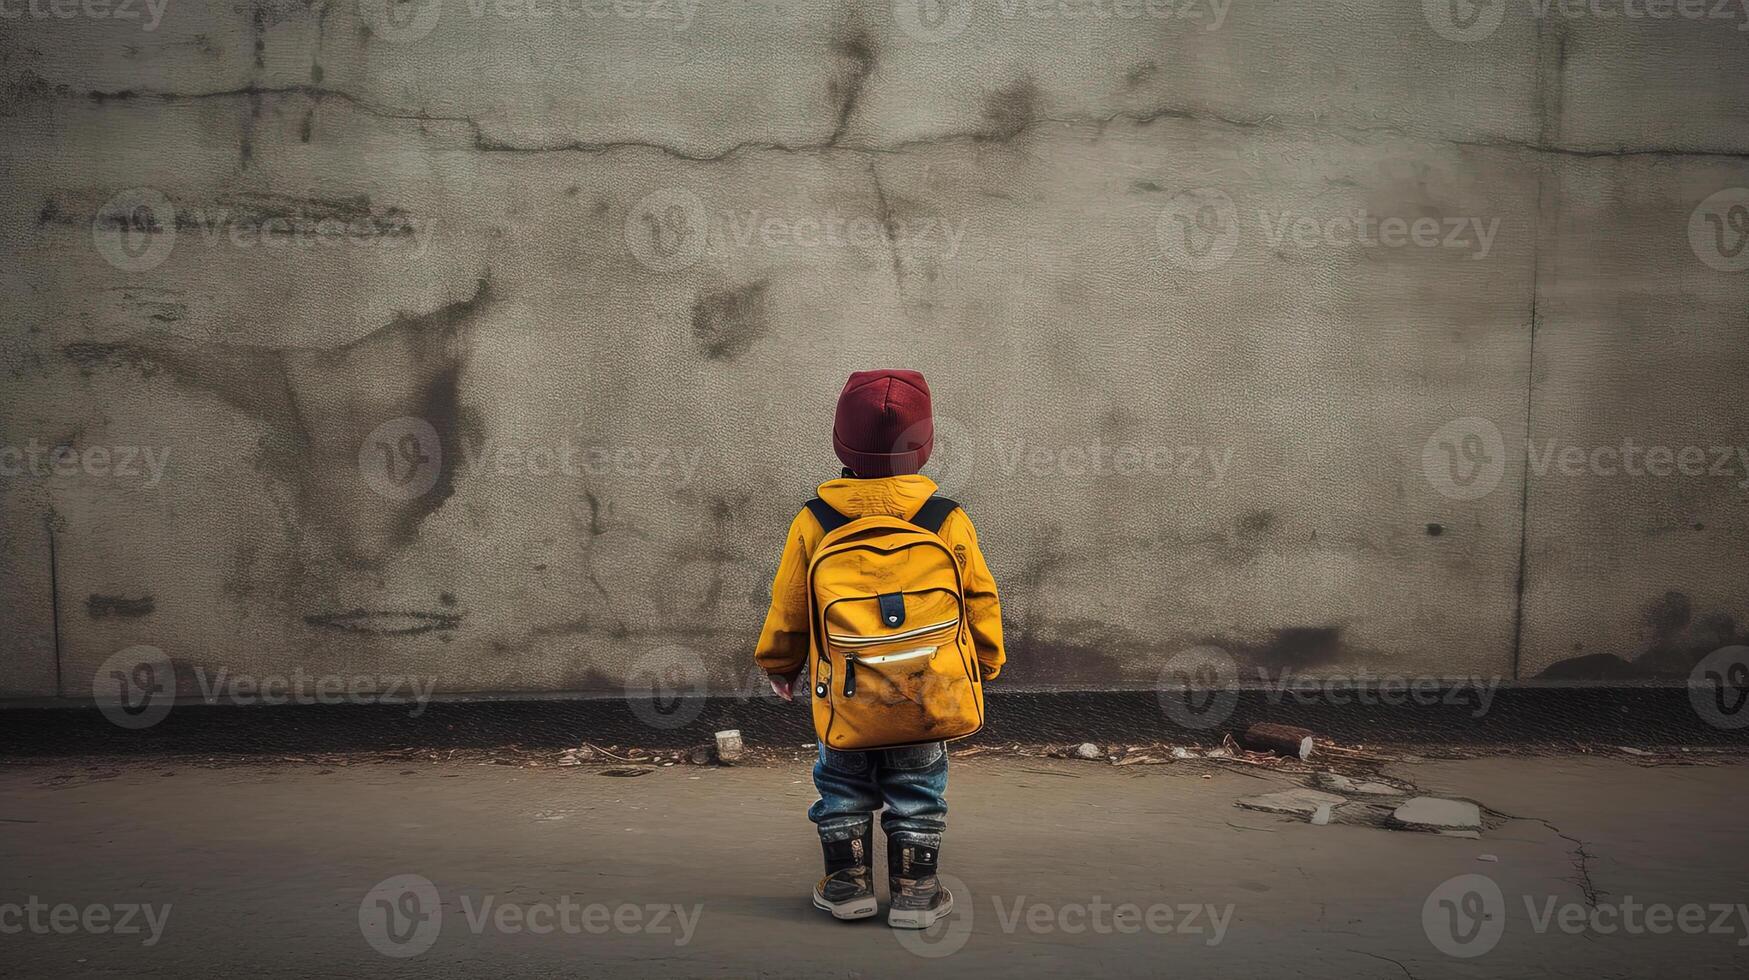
x=861, y=908
x=921, y=918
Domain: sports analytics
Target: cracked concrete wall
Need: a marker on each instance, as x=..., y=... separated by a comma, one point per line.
x=443, y=338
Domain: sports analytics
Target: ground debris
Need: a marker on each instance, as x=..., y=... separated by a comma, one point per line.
x=1436, y=813
x=1283, y=740
x=1298, y=801
x=729, y=746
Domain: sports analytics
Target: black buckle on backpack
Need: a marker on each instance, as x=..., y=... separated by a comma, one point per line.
x=892, y=608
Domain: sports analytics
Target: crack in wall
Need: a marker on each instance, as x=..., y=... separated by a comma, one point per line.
x=488, y=143
x=884, y=214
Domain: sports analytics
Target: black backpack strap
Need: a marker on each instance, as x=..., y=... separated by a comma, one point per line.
x=829, y=519
x=934, y=513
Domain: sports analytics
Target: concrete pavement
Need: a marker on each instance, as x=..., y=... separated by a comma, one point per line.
x=1591, y=867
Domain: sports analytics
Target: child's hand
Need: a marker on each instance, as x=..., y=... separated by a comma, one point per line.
x=782, y=687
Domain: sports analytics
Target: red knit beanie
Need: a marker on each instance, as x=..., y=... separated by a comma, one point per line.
x=884, y=425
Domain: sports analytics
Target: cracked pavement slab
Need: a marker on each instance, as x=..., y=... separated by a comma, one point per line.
x=276, y=870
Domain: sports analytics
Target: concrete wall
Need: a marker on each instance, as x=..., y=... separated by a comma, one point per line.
x=269, y=242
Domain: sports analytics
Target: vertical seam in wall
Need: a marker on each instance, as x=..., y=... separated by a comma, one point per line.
x=54, y=600
x=1549, y=99
x=1524, y=477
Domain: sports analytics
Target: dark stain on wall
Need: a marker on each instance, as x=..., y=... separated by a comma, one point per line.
x=1676, y=639
x=26, y=86
x=1292, y=648
x=1009, y=110
x=726, y=323
x=1256, y=523
x=313, y=426
x=1080, y=652
x=386, y=623
x=856, y=47
x=258, y=31
x=277, y=214
x=122, y=607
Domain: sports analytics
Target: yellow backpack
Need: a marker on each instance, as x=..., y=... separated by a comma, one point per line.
x=893, y=662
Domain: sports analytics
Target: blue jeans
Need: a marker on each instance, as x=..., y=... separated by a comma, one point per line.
x=910, y=782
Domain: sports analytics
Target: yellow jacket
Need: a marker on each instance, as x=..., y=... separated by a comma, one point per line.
x=783, y=643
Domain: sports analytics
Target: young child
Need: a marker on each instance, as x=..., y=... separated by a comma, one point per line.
x=883, y=433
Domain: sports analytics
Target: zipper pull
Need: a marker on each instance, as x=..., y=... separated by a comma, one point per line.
x=849, y=677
